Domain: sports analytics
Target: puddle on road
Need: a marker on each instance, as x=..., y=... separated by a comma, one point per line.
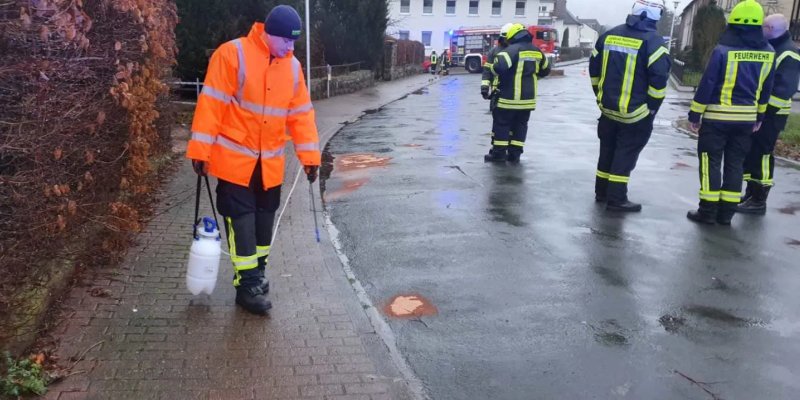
x=410, y=306
x=671, y=323
x=680, y=165
x=791, y=209
x=720, y=315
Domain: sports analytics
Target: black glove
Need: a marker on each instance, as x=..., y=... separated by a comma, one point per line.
x=200, y=167
x=311, y=172
x=485, y=92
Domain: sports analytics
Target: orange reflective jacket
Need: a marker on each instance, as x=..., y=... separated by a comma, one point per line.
x=248, y=103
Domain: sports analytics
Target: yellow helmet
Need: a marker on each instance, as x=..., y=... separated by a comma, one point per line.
x=747, y=12
x=514, y=30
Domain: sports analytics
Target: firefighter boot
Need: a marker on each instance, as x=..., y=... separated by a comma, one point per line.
x=757, y=203
x=725, y=213
x=600, y=190
x=496, y=155
x=705, y=214
x=514, y=156
x=262, y=270
x=253, y=300
x=624, y=206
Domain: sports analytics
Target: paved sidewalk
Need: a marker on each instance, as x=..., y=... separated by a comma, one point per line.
x=138, y=334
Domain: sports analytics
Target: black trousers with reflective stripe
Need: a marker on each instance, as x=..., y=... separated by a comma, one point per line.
x=620, y=146
x=722, y=148
x=760, y=163
x=249, y=219
x=504, y=123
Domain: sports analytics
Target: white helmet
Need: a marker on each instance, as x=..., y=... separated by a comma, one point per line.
x=653, y=9
x=504, y=30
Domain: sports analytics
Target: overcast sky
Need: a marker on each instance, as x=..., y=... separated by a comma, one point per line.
x=608, y=12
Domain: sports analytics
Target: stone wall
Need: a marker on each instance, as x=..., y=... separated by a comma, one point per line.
x=402, y=71
x=343, y=84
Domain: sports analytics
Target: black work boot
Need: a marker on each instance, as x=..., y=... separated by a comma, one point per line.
x=496, y=155
x=253, y=300
x=726, y=212
x=513, y=157
x=623, y=206
x=748, y=193
x=757, y=203
x=705, y=214
x=262, y=275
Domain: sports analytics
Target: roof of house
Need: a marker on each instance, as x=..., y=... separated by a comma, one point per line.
x=561, y=12
x=591, y=22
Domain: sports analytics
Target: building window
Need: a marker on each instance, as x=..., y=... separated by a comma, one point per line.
x=404, y=35
x=473, y=7
x=426, y=38
x=542, y=9
x=520, y=8
x=451, y=7
x=497, y=7
x=405, y=6
x=427, y=6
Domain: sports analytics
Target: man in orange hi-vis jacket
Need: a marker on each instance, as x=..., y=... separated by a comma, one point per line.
x=253, y=94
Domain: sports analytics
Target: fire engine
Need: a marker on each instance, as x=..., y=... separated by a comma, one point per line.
x=469, y=47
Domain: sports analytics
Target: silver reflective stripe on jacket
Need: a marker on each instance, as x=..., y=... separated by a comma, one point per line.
x=242, y=68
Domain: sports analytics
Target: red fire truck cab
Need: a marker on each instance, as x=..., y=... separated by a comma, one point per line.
x=469, y=47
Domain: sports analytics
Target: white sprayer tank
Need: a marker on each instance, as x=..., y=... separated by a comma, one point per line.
x=204, y=256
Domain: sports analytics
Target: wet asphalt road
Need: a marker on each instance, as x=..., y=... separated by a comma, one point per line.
x=540, y=293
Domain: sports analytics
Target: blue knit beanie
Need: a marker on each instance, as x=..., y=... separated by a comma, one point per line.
x=284, y=21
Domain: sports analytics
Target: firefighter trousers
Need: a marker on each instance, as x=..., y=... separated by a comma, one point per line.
x=722, y=149
x=249, y=214
x=620, y=146
x=504, y=122
x=759, y=166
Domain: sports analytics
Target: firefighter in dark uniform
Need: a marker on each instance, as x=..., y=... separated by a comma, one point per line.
x=489, y=79
x=760, y=163
x=434, y=62
x=629, y=69
x=732, y=101
x=518, y=68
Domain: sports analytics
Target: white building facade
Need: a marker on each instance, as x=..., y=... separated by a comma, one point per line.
x=432, y=21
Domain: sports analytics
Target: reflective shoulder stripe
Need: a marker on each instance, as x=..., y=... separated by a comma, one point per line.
x=595, y=53
x=307, y=146
x=505, y=57
x=296, y=72
x=787, y=54
x=657, y=55
x=657, y=93
x=202, y=137
x=302, y=109
x=216, y=94
x=698, y=108
x=242, y=68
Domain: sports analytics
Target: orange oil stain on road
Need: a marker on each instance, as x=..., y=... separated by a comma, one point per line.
x=410, y=306
x=353, y=173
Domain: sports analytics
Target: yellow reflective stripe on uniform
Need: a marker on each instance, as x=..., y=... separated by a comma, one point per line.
x=732, y=109
x=602, y=76
x=517, y=106
x=705, y=185
x=730, y=197
x=501, y=142
x=486, y=83
x=262, y=251
x=488, y=64
x=778, y=102
x=709, y=196
x=517, y=143
x=787, y=54
x=730, y=82
x=730, y=117
x=765, y=163
x=603, y=175
x=505, y=57
x=517, y=102
x=595, y=80
x=529, y=55
x=626, y=118
x=784, y=111
x=698, y=108
x=595, y=53
x=656, y=55
x=546, y=62
x=239, y=263
x=518, y=80
x=766, y=68
x=622, y=41
x=657, y=93
x=762, y=108
x=627, y=87
x=618, y=178
x=747, y=177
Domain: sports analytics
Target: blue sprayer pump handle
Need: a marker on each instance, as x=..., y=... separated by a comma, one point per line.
x=209, y=225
